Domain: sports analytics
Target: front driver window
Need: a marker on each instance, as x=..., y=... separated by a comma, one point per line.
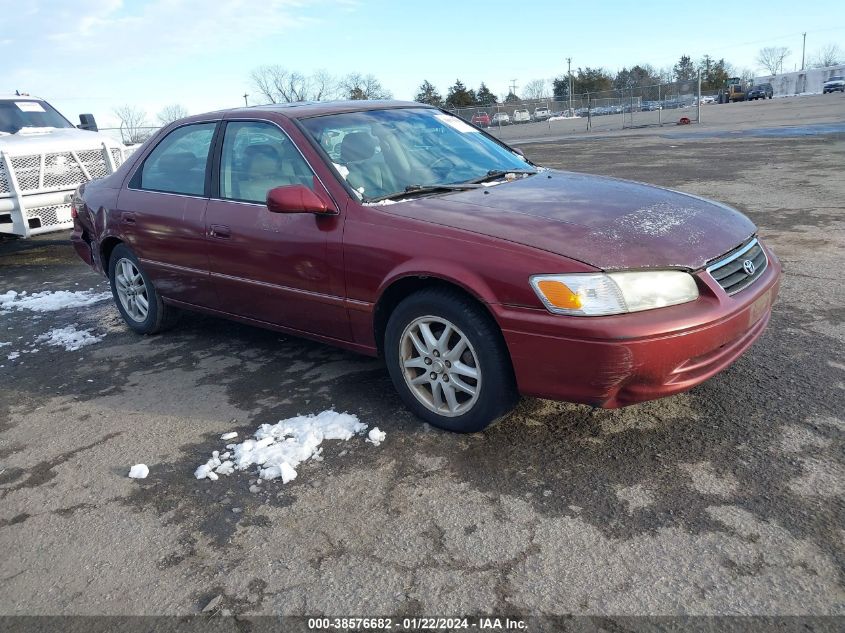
x=258, y=157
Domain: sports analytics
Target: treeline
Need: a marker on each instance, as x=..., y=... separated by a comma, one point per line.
x=277, y=84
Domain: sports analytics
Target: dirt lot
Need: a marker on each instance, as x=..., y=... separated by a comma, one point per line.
x=724, y=500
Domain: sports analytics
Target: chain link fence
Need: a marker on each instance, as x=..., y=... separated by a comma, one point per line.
x=632, y=107
x=130, y=136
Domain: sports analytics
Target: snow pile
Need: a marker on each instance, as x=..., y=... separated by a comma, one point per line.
x=279, y=448
x=376, y=436
x=49, y=301
x=139, y=471
x=69, y=337
x=13, y=355
x=229, y=436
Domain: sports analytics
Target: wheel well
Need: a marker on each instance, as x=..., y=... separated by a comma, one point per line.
x=405, y=287
x=106, y=249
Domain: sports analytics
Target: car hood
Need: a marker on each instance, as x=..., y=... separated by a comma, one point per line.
x=54, y=140
x=605, y=222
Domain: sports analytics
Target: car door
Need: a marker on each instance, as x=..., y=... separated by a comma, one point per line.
x=272, y=267
x=162, y=214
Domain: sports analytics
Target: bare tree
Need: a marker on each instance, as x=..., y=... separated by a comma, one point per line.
x=360, y=87
x=771, y=58
x=277, y=84
x=829, y=55
x=133, y=122
x=172, y=113
x=536, y=89
x=324, y=86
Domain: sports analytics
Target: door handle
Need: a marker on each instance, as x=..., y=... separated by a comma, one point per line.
x=220, y=231
x=128, y=218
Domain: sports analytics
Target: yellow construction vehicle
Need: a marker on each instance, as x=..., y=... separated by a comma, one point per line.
x=734, y=90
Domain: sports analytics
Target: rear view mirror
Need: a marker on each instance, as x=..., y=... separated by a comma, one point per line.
x=87, y=122
x=296, y=199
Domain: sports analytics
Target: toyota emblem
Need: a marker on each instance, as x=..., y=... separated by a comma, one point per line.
x=748, y=267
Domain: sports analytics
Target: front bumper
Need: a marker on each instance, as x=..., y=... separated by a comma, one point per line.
x=620, y=360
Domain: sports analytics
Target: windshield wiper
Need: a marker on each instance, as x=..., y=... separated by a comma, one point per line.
x=413, y=190
x=493, y=174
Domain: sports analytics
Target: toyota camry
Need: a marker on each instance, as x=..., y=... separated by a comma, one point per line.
x=399, y=230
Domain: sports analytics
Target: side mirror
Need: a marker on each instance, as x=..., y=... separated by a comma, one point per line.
x=87, y=122
x=296, y=199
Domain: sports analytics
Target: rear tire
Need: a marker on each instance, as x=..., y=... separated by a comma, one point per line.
x=136, y=298
x=473, y=383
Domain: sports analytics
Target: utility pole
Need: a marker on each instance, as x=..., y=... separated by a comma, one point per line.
x=246, y=103
x=803, y=48
x=569, y=73
x=513, y=87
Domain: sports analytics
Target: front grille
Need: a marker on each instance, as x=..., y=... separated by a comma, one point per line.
x=732, y=272
x=58, y=170
x=5, y=187
x=117, y=156
x=51, y=215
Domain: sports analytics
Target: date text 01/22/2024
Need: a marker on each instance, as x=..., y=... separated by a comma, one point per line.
x=415, y=624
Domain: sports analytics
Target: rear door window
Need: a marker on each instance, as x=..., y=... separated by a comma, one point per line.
x=178, y=163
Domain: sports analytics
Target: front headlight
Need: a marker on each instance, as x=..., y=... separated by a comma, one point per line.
x=597, y=294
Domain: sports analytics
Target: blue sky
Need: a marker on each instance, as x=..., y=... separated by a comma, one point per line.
x=94, y=55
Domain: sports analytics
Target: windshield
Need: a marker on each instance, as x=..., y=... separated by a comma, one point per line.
x=384, y=152
x=22, y=113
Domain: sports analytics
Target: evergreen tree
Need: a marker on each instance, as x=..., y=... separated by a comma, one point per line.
x=428, y=94
x=591, y=80
x=684, y=70
x=560, y=88
x=484, y=97
x=511, y=98
x=459, y=96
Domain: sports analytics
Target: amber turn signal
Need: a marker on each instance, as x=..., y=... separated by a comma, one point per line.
x=559, y=294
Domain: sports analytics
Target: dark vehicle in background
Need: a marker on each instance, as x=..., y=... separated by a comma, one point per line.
x=760, y=91
x=398, y=230
x=481, y=119
x=834, y=84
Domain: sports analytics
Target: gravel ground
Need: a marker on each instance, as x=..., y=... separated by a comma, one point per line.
x=725, y=500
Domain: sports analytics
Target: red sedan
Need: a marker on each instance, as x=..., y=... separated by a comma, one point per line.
x=397, y=229
x=481, y=119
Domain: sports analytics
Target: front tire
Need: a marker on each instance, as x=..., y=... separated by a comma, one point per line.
x=136, y=298
x=448, y=361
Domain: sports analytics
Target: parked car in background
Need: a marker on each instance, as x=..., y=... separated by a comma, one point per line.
x=481, y=119
x=500, y=118
x=476, y=274
x=43, y=157
x=760, y=91
x=541, y=114
x=834, y=84
x=707, y=99
x=521, y=115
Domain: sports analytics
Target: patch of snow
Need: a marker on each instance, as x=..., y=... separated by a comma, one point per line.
x=229, y=436
x=279, y=448
x=376, y=436
x=4, y=344
x=139, y=471
x=382, y=203
x=69, y=337
x=49, y=301
x=13, y=355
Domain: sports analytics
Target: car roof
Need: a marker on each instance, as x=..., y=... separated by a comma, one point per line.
x=305, y=109
x=5, y=97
